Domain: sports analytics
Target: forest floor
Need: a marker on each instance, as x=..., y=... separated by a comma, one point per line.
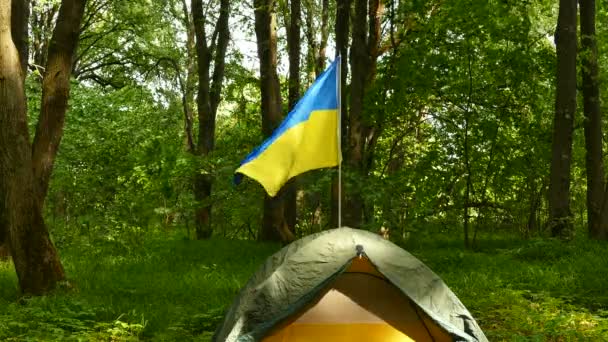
x=168, y=288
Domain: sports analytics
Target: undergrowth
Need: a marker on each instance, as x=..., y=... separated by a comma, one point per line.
x=167, y=288
x=536, y=290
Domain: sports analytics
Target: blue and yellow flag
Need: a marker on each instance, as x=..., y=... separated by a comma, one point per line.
x=307, y=139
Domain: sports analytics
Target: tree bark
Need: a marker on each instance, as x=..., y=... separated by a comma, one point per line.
x=20, y=15
x=311, y=67
x=19, y=23
x=321, y=55
x=36, y=260
x=208, y=98
x=361, y=135
x=593, y=122
x=467, y=193
x=343, y=8
x=206, y=131
x=316, y=52
x=274, y=226
x=565, y=109
x=187, y=83
x=293, y=48
x=55, y=92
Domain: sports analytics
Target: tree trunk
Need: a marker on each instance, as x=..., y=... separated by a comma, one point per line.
x=316, y=52
x=20, y=14
x=293, y=47
x=467, y=157
x=342, y=32
x=375, y=12
x=359, y=60
x=565, y=109
x=208, y=99
x=206, y=131
x=36, y=260
x=19, y=25
x=55, y=93
x=361, y=135
x=274, y=226
x=536, y=197
x=187, y=83
x=593, y=122
x=320, y=60
x=311, y=67
x=467, y=193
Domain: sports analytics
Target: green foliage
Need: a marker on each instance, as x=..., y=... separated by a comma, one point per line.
x=61, y=317
x=123, y=41
x=123, y=169
x=121, y=164
x=474, y=72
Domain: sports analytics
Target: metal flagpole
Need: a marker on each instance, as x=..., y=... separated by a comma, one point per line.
x=339, y=90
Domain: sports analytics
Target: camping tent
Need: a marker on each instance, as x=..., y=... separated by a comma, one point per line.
x=346, y=285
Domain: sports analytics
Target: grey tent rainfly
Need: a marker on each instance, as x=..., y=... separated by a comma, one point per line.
x=346, y=285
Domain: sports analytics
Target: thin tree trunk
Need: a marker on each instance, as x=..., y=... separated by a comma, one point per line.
x=593, y=122
x=274, y=226
x=467, y=194
x=311, y=67
x=187, y=83
x=342, y=33
x=208, y=99
x=321, y=57
x=536, y=196
x=467, y=157
x=565, y=109
x=484, y=189
x=293, y=47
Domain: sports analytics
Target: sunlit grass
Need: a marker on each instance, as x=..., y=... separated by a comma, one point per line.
x=166, y=287
x=538, y=290
x=175, y=287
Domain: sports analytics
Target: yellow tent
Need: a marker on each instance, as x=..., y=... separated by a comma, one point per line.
x=360, y=305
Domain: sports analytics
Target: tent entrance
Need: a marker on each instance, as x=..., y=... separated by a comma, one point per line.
x=360, y=305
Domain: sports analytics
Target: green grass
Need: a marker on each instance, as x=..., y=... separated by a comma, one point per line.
x=539, y=290
x=167, y=288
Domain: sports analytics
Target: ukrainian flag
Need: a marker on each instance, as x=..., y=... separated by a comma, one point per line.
x=307, y=139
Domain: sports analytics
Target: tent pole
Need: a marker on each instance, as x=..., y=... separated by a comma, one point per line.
x=339, y=90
